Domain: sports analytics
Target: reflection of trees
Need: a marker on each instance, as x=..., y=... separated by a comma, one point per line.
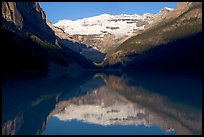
x=185, y=119
x=29, y=98
x=30, y=101
x=158, y=109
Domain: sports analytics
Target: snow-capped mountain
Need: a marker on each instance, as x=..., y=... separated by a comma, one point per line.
x=116, y=103
x=104, y=31
x=168, y=8
x=118, y=25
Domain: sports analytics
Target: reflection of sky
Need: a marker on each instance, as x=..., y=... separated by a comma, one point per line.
x=74, y=127
x=161, y=115
x=169, y=100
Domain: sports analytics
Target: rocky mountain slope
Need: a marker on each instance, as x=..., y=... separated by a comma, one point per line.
x=32, y=43
x=108, y=41
x=82, y=49
x=174, y=41
x=118, y=25
x=102, y=31
x=29, y=17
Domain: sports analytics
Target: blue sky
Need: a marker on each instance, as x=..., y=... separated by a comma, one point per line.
x=56, y=11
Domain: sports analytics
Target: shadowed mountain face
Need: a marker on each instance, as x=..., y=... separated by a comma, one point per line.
x=72, y=94
x=82, y=49
x=30, y=44
x=143, y=98
x=173, y=42
x=185, y=53
x=103, y=31
x=29, y=17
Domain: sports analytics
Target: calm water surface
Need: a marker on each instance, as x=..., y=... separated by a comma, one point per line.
x=102, y=103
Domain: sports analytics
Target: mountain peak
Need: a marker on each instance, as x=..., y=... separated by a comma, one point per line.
x=168, y=8
x=118, y=25
x=105, y=15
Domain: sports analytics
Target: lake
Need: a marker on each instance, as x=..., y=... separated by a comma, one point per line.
x=102, y=103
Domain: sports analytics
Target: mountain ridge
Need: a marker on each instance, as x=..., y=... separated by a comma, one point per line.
x=34, y=47
x=177, y=25
x=103, y=50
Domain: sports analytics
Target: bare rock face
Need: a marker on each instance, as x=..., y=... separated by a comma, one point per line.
x=59, y=32
x=183, y=21
x=96, y=41
x=13, y=126
x=10, y=13
x=103, y=31
x=77, y=44
x=106, y=41
x=183, y=6
x=159, y=17
x=29, y=17
x=180, y=8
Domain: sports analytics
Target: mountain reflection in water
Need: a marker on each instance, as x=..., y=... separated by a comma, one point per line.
x=33, y=102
